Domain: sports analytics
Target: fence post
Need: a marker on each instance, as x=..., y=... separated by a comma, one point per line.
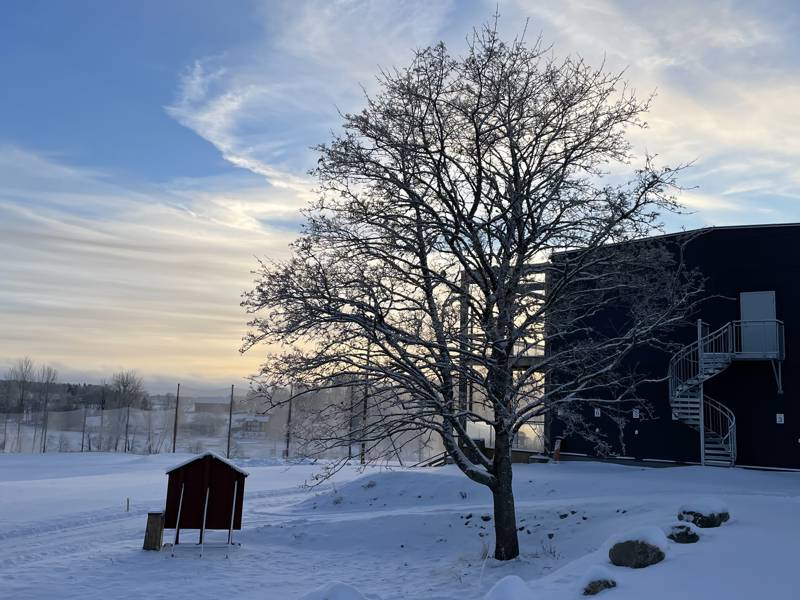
x=230, y=425
x=363, y=452
x=175, y=423
x=44, y=425
x=83, y=430
x=351, y=422
x=289, y=422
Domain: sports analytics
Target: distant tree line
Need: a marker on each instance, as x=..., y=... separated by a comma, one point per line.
x=29, y=392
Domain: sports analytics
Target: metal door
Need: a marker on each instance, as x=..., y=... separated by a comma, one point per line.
x=759, y=329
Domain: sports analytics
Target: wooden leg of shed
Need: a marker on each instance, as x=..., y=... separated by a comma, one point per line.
x=233, y=511
x=178, y=522
x=203, y=528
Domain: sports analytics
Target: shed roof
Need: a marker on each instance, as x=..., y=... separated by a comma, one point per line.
x=206, y=454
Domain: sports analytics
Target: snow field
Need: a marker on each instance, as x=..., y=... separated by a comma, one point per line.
x=385, y=535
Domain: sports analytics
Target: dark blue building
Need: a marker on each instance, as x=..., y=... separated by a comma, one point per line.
x=732, y=393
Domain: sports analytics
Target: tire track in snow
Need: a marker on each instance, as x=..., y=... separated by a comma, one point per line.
x=100, y=530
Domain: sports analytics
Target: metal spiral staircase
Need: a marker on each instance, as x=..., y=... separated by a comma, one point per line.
x=712, y=353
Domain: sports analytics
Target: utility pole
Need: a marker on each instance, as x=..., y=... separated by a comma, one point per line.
x=127, y=422
x=83, y=431
x=230, y=424
x=289, y=422
x=44, y=425
x=102, y=415
x=363, y=454
x=175, y=422
x=351, y=421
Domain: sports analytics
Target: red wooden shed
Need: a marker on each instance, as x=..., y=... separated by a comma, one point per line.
x=205, y=492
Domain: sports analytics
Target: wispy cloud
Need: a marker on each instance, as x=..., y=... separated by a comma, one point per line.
x=100, y=274
x=726, y=77
x=265, y=104
x=109, y=274
x=725, y=87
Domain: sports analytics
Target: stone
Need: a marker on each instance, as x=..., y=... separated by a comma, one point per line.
x=704, y=520
x=635, y=554
x=596, y=580
x=598, y=585
x=683, y=534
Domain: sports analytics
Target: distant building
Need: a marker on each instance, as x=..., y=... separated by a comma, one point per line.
x=252, y=426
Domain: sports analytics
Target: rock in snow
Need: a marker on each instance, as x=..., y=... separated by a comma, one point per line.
x=683, y=533
x=510, y=587
x=334, y=591
x=705, y=512
x=596, y=580
x=640, y=548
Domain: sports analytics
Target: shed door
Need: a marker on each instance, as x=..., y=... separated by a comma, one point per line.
x=759, y=330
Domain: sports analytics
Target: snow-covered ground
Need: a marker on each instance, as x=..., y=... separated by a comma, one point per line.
x=64, y=532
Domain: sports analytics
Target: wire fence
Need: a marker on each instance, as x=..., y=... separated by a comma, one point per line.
x=193, y=421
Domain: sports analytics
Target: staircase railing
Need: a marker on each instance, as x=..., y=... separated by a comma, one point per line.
x=768, y=336
x=685, y=365
x=437, y=460
x=526, y=348
x=719, y=341
x=753, y=339
x=719, y=419
x=707, y=356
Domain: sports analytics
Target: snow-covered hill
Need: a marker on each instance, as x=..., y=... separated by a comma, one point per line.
x=65, y=533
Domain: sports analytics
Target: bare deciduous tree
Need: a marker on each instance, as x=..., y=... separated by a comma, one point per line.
x=128, y=389
x=6, y=401
x=47, y=377
x=465, y=222
x=21, y=373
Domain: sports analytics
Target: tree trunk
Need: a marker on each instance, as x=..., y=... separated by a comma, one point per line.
x=505, y=515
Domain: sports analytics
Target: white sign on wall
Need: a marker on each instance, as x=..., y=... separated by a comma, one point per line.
x=596, y=412
x=779, y=418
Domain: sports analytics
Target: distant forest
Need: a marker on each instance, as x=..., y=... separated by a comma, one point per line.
x=28, y=387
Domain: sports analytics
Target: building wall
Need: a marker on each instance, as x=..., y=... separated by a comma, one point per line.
x=733, y=260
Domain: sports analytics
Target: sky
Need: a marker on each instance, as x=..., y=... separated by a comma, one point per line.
x=151, y=150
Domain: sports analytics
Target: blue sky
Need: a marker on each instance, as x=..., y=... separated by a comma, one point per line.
x=149, y=149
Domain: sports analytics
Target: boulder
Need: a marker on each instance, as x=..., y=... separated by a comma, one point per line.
x=713, y=519
x=635, y=554
x=683, y=533
x=596, y=580
x=705, y=512
x=598, y=585
x=639, y=549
